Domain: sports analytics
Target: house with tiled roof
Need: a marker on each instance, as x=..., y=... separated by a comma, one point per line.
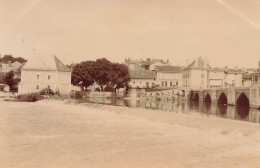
x=41, y=72
x=233, y=77
x=146, y=64
x=169, y=76
x=195, y=75
x=142, y=78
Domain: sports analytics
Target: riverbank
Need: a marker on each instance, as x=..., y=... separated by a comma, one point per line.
x=63, y=134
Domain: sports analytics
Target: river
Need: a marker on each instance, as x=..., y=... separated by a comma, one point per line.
x=204, y=109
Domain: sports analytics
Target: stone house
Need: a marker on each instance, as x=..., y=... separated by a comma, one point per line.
x=169, y=76
x=195, y=75
x=216, y=78
x=142, y=78
x=233, y=77
x=45, y=72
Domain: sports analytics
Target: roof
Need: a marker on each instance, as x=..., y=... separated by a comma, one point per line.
x=217, y=69
x=45, y=63
x=169, y=69
x=142, y=74
x=152, y=61
x=16, y=65
x=233, y=71
x=199, y=63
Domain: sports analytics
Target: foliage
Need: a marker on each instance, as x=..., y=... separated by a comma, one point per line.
x=10, y=58
x=9, y=79
x=109, y=88
x=31, y=97
x=2, y=77
x=46, y=91
x=102, y=72
x=82, y=74
x=119, y=75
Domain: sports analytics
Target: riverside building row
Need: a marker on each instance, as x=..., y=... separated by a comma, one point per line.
x=197, y=75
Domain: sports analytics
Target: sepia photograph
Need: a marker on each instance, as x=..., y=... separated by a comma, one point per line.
x=129, y=84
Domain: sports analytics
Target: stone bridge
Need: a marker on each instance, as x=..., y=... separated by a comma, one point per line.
x=242, y=96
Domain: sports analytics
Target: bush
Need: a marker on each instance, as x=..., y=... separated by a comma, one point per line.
x=46, y=92
x=31, y=97
x=109, y=88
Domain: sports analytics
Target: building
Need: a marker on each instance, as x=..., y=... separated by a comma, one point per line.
x=169, y=76
x=147, y=64
x=142, y=78
x=45, y=72
x=6, y=67
x=247, y=79
x=195, y=75
x=216, y=78
x=133, y=64
x=233, y=77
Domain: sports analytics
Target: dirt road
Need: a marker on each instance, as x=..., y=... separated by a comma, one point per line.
x=58, y=134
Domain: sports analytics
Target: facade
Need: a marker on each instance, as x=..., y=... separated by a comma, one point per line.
x=169, y=76
x=233, y=77
x=195, y=75
x=247, y=79
x=142, y=78
x=147, y=64
x=216, y=78
x=45, y=72
x=6, y=67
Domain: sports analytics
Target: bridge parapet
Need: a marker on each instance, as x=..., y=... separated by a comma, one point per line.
x=232, y=95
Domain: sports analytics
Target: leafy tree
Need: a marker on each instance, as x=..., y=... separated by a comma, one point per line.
x=102, y=72
x=82, y=74
x=7, y=58
x=2, y=77
x=119, y=76
x=20, y=59
x=10, y=80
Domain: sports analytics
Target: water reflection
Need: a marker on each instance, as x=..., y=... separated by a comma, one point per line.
x=188, y=107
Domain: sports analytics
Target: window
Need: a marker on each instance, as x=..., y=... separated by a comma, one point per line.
x=176, y=83
x=49, y=77
x=165, y=83
x=170, y=83
x=133, y=82
x=162, y=84
x=37, y=86
x=38, y=76
x=49, y=86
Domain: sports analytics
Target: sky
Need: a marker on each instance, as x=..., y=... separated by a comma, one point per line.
x=227, y=32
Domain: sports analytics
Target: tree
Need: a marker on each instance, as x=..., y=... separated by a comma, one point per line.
x=7, y=58
x=20, y=59
x=10, y=80
x=2, y=77
x=102, y=71
x=119, y=76
x=82, y=74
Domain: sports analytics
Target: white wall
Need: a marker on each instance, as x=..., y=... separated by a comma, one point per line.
x=216, y=78
x=141, y=83
x=58, y=80
x=232, y=78
x=169, y=77
x=195, y=78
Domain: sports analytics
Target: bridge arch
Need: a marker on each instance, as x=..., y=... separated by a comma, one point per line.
x=242, y=106
x=196, y=97
x=207, y=98
x=242, y=100
x=222, y=98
